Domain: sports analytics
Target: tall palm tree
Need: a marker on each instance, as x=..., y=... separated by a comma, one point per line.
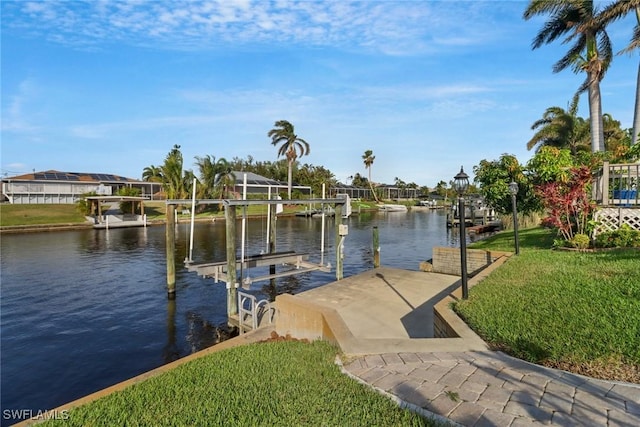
x=591, y=51
x=283, y=133
x=613, y=12
x=561, y=129
x=368, y=159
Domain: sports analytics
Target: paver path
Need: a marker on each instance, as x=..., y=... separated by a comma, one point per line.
x=493, y=389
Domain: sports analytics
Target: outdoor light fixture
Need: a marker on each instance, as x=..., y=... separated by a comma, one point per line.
x=513, y=189
x=461, y=184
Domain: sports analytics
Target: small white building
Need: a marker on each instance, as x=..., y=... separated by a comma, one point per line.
x=55, y=187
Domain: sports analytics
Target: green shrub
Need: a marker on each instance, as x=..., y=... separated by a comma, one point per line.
x=580, y=241
x=83, y=206
x=624, y=237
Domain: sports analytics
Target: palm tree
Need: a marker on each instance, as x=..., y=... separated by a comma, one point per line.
x=152, y=174
x=206, y=167
x=224, y=179
x=368, y=159
x=613, y=12
x=173, y=181
x=283, y=133
x=591, y=52
x=561, y=129
x=216, y=176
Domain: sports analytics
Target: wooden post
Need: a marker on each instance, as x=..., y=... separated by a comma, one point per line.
x=376, y=247
x=232, y=290
x=170, y=234
x=604, y=185
x=339, y=242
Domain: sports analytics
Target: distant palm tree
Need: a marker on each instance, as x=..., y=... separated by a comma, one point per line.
x=561, y=129
x=174, y=183
x=368, y=159
x=152, y=174
x=613, y=12
x=216, y=176
x=358, y=180
x=591, y=52
x=207, y=173
x=283, y=133
x=225, y=179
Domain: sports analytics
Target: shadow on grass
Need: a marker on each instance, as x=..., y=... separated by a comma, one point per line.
x=154, y=211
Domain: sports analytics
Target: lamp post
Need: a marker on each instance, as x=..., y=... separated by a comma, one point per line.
x=461, y=184
x=513, y=189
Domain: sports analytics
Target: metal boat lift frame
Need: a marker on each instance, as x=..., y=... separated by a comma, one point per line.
x=271, y=258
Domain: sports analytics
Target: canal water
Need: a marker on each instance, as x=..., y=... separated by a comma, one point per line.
x=84, y=309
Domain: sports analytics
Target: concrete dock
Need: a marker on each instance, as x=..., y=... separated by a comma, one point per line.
x=383, y=321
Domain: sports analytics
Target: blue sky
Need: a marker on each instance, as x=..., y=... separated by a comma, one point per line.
x=111, y=86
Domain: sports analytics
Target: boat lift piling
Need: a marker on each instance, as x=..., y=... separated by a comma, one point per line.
x=170, y=236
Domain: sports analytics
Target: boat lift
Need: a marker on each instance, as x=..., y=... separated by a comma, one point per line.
x=227, y=271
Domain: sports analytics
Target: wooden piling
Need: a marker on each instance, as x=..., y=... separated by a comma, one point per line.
x=232, y=290
x=376, y=247
x=170, y=237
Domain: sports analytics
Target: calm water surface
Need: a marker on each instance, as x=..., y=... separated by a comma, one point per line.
x=82, y=310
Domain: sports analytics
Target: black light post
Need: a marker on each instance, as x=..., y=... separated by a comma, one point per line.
x=513, y=189
x=461, y=184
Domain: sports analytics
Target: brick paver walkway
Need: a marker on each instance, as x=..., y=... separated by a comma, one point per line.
x=493, y=389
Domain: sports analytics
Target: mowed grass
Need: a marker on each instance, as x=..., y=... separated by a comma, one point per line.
x=575, y=310
x=279, y=383
x=40, y=214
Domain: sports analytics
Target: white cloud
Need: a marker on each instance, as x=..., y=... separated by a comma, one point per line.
x=14, y=116
x=391, y=27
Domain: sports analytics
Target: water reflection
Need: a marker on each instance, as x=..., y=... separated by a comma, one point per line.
x=171, y=351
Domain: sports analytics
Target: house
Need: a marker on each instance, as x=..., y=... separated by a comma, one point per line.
x=55, y=187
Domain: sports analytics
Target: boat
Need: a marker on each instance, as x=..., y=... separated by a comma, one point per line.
x=328, y=211
x=306, y=213
x=392, y=208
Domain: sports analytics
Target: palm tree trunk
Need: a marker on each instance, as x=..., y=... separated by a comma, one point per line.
x=595, y=115
x=636, y=112
x=289, y=177
x=375, y=196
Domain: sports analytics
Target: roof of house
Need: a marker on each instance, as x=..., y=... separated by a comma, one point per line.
x=254, y=179
x=54, y=175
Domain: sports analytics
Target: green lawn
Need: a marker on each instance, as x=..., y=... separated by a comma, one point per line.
x=285, y=383
x=12, y=215
x=579, y=311
x=45, y=214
